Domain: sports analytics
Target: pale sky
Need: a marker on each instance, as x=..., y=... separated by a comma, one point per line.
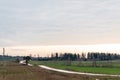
x=59, y=22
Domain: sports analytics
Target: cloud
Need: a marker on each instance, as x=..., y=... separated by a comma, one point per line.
x=28, y=22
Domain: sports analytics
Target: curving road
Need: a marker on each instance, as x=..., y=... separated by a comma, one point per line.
x=73, y=72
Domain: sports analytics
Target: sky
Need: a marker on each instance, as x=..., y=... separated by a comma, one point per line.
x=59, y=22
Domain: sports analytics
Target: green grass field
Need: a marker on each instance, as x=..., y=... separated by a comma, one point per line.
x=15, y=71
x=83, y=66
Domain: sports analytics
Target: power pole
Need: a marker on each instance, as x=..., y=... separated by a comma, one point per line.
x=3, y=57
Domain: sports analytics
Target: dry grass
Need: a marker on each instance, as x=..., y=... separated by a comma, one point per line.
x=13, y=71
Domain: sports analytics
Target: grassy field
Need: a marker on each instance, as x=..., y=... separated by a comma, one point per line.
x=84, y=66
x=14, y=71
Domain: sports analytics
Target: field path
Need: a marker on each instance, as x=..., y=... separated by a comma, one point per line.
x=73, y=72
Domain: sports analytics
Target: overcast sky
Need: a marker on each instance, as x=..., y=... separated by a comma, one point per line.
x=59, y=22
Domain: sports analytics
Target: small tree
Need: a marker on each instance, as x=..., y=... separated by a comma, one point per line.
x=27, y=58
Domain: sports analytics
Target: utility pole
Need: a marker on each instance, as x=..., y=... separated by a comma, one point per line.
x=3, y=54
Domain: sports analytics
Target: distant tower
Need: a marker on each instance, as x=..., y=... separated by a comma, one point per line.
x=3, y=51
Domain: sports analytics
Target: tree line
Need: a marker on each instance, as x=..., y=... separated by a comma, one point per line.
x=84, y=57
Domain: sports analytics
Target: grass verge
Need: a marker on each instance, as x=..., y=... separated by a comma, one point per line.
x=88, y=69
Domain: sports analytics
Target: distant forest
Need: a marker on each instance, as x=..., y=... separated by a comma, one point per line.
x=90, y=56
x=83, y=57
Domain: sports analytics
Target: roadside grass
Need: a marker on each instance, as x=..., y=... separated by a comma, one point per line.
x=14, y=71
x=83, y=67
